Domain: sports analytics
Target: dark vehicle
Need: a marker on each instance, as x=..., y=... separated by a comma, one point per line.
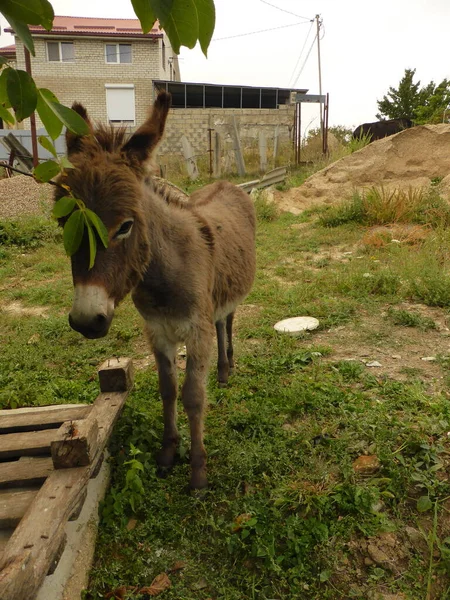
x=382, y=129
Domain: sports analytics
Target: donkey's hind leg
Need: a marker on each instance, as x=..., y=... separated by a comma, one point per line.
x=167, y=373
x=223, y=366
x=230, y=351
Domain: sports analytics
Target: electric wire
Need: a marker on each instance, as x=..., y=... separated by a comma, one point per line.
x=294, y=70
x=284, y=10
x=230, y=37
x=304, y=62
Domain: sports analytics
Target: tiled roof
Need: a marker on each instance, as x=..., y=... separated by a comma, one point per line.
x=89, y=26
x=8, y=50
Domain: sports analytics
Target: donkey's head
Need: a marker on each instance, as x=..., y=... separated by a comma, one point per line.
x=109, y=177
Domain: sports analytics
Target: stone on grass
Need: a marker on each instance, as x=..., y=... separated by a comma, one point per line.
x=297, y=325
x=373, y=363
x=366, y=465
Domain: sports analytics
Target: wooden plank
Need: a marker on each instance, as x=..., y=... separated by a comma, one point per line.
x=33, y=547
x=27, y=443
x=237, y=148
x=13, y=506
x=40, y=417
x=189, y=157
x=28, y=470
x=75, y=444
x=5, y=534
x=116, y=375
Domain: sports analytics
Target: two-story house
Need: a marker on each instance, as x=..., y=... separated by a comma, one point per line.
x=107, y=64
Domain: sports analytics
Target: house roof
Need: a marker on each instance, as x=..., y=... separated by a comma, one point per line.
x=8, y=51
x=98, y=27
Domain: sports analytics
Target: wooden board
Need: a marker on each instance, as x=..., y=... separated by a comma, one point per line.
x=28, y=470
x=32, y=548
x=27, y=443
x=13, y=506
x=40, y=417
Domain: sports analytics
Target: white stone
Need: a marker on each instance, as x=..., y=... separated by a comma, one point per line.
x=373, y=363
x=296, y=325
x=428, y=358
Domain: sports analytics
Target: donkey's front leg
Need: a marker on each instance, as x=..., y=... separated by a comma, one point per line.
x=222, y=359
x=194, y=401
x=167, y=373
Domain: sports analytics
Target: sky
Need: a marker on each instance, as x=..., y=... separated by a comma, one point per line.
x=365, y=47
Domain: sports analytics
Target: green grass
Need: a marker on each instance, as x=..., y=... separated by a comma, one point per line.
x=285, y=509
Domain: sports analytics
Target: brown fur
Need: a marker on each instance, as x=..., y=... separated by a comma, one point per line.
x=187, y=264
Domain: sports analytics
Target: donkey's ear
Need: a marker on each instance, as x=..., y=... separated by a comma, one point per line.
x=72, y=139
x=142, y=143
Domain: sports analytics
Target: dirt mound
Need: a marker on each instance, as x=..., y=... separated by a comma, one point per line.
x=411, y=158
x=21, y=195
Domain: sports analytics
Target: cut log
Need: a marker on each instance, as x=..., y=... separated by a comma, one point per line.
x=75, y=443
x=41, y=417
x=28, y=470
x=28, y=443
x=116, y=375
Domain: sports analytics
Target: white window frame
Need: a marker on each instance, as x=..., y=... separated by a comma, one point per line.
x=59, y=42
x=121, y=86
x=117, y=62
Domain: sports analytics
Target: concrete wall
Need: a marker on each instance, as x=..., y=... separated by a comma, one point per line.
x=194, y=124
x=84, y=80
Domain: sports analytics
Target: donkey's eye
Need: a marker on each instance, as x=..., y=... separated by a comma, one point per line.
x=124, y=230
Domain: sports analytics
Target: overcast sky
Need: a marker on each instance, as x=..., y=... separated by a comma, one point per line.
x=365, y=47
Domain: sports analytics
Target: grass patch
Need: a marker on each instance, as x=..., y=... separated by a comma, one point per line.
x=407, y=318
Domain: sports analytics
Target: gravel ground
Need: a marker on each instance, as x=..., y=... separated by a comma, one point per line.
x=21, y=195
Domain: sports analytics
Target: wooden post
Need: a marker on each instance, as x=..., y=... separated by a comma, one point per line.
x=217, y=154
x=276, y=137
x=262, y=152
x=32, y=116
x=237, y=148
x=189, y=157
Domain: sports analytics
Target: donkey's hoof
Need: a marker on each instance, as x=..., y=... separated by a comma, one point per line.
x=163, y=472
x=222, y=384
x=198, y=481
x=165, y=459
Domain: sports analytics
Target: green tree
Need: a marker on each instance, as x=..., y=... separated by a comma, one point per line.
x=421, y=104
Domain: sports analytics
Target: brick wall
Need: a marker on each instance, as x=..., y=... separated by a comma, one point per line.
x=84, y=80
x=194, y=124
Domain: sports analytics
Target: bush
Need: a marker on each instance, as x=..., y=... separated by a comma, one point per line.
x=28, y=232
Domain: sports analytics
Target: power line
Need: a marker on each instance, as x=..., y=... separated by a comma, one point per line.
x=259, y=31
x=304, y=62
x=301, y=53
x=284, y=10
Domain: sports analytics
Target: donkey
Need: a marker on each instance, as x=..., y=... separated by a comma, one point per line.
x=187, y=265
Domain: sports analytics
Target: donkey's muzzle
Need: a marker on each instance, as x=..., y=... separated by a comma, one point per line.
x=96, y=327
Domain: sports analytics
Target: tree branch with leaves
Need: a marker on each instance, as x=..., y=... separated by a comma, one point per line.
x=185, y=22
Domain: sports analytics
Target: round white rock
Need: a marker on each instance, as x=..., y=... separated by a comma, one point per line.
x=296, y=325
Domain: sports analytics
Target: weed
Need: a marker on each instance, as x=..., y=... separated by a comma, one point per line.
x=28, y=233
x=355, y=144
x=407, y=318
x=265, y=210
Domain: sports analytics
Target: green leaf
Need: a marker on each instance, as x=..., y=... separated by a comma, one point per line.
x=67, y=116
x=65, y=163
x=33, y=12
x=144, y=13
x=21, y=30
x=51, y=122
x=99, y=226
x=3, y=60
x=92, y=244
x=424, y=503
x=63, y=207
x=46, y=171
x=46, y=143
x=181, y=25
x=4, y=100
x=6, y=115
x=73, y=232
x=206, y=15
x=22, y=93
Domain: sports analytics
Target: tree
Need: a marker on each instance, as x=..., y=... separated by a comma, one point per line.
x=422, y=105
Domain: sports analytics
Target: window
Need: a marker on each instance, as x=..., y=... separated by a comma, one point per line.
x=60, y=52
x=118, y=53
x=120, y=104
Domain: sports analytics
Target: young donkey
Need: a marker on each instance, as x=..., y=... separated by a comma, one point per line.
x=187, y=265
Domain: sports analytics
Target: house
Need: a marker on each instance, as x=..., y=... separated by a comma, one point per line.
x=107, y=64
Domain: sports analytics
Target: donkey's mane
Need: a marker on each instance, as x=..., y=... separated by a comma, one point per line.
x=110, y=138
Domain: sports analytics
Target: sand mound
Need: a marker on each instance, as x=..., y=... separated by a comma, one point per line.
x=21, y=195
x=411, y=158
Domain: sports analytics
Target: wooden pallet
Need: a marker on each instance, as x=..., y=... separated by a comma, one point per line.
x=47, y=456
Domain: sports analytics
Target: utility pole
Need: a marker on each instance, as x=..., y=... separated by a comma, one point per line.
x=32, y=116
x=319, y=23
